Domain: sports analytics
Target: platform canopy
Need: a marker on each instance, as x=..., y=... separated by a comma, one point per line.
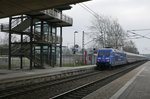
x=16, y=7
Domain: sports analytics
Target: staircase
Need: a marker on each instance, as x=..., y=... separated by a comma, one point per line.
x=54, y=16
x=18, y=50
x=25, y=52
x=18, y=26
x=21, y=25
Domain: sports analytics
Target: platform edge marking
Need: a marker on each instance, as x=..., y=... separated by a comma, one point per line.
x=120, y=91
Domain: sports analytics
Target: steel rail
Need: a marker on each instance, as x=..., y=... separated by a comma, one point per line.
x=86, y=89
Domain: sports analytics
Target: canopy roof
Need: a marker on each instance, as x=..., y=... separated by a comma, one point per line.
x=16, y=7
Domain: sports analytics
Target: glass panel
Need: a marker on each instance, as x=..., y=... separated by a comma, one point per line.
x=38, y=28
x=45, y=47
x=46, y=28
x=53, y=30
x=104, y=53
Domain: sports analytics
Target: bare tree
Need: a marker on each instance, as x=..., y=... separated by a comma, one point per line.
x=108, y=33
x=130, y=47
x=4, y=40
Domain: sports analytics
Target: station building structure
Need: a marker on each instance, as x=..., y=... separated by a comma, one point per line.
x=38, y=33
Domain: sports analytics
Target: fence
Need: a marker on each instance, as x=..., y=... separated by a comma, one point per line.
x=72, y=60
x=67, y=60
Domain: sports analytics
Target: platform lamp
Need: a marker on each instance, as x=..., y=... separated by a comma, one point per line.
x=74, y=41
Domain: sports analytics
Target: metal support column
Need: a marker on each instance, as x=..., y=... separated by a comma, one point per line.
x=48, y=50
x=49, y=55
x=83, y=47
x=60, y=46
x=51, y=46
x=31, y=43
x=21, y=67
x=61, y=43
x=55, y=46
x=34, y=50
x=9, y=59
x=41, y=50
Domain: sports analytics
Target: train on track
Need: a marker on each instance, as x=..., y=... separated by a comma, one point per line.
x=109, y=57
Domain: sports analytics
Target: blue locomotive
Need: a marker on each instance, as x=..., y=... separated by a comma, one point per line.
x=109, y=57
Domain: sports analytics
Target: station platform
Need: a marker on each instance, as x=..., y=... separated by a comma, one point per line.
x=133, y=85
x=9, y=78
x=11, y=74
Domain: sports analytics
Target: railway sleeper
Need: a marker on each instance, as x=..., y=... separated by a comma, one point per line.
x=71, y=96
x=67, y=98
x=85, y=92
x=79, y=94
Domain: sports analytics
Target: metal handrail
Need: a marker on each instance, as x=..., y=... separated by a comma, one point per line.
x=17, y=21
x=57, y=14
x=16, y=49
x=14, y=23
x=51, y=12
x=46, y=37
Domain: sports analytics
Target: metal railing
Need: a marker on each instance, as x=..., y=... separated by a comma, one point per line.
x=46, y=37
x=58, y=15
x=14, y=23
x=52, y=39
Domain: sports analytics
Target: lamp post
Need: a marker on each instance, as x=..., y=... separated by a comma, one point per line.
x=74, y=51
x=83, y=47
x=83, y=44
x=75, y=40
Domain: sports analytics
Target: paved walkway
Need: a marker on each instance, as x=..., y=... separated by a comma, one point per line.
x=133, y=85
x=136, y=88
x=10, y=74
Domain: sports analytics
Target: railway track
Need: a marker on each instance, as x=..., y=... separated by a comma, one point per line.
x=14, y=91
x=88, y=88
x=74, y=87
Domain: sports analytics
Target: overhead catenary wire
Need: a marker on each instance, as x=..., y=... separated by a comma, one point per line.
x=140, y=30
x=95, y=15
x=88, y=9
x=138, y=35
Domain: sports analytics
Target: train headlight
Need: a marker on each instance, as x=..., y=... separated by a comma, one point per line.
x=98, y=60
x=107, y=60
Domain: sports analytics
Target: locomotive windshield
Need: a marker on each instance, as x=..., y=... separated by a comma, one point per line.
x=104, y=53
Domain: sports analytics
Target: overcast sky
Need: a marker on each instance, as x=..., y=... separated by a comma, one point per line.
x=131, y=14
